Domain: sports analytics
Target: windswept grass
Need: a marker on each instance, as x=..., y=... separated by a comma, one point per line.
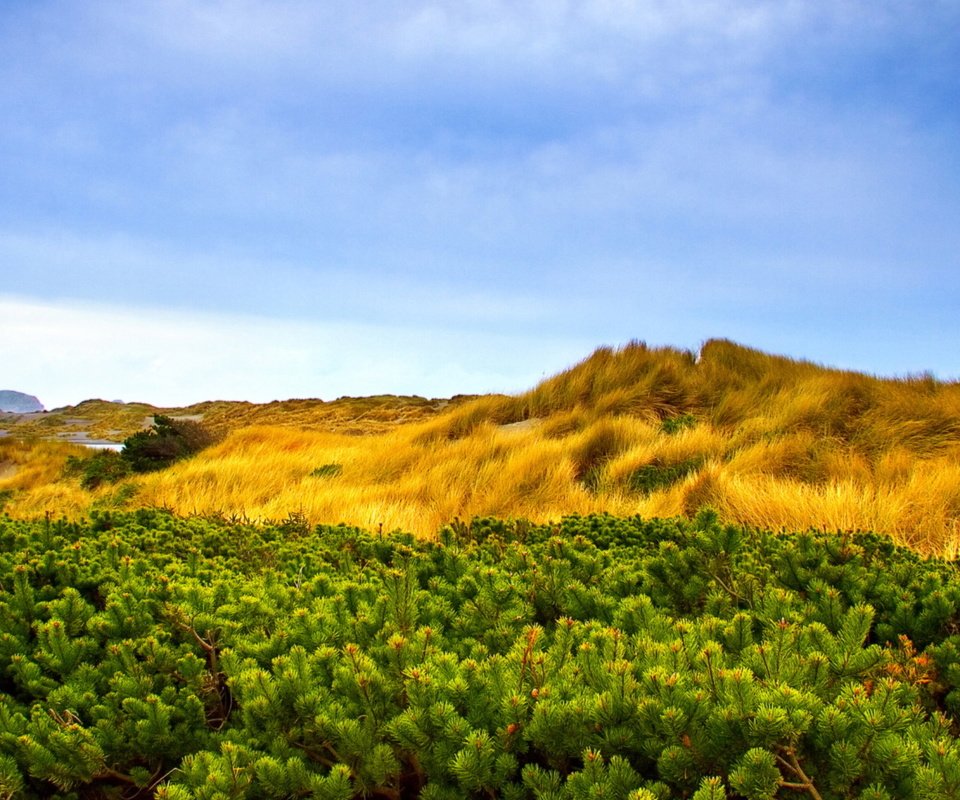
x=765, y=440
x=31, y=472
x=100, y=419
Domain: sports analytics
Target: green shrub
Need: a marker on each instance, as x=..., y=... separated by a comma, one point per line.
x=168, y=440
x=327, y=471
x=672, y=425
x=146, y=655
x=651, y=477
x=102, y=466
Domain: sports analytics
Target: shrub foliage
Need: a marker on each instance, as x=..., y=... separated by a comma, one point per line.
x=146, y=655
x=166, y=441
x=103, y=466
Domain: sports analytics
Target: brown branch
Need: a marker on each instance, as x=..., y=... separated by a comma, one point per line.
x=806, y=784
x=224, y=702
x=108, y=774
x=319, y=758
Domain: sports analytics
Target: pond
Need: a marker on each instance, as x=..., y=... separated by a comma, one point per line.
x=95, y=445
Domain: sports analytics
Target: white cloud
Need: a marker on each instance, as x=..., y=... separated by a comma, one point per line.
x=657, y=168
x=67, y=352
x=128, y=271
x=387, y=42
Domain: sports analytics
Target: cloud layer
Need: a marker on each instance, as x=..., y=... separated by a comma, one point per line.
x=784, y=173
x=68, y=352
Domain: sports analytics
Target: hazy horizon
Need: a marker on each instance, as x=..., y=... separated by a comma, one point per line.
x=266, y=397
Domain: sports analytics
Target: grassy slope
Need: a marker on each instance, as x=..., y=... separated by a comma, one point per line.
x=100, y=419
x=770, y=441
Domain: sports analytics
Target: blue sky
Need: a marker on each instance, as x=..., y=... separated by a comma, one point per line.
x=258, y=200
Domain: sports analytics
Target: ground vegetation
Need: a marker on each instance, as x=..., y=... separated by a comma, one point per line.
x=145, y=655
x=765, y=440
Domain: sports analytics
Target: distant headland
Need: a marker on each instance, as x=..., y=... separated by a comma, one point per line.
x=18, y=402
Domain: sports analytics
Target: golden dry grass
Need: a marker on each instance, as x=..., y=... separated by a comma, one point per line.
x=765, y=440
x=31, y=473
x=100, y=419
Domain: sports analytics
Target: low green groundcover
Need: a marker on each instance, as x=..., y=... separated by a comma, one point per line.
x=146, y=655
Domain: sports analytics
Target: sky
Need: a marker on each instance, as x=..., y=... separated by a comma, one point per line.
x=261, y=200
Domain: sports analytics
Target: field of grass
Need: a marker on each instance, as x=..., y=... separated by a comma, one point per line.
x=764, y=440
x=101, y=419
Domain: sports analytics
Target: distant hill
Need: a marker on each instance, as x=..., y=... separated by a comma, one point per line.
x=19, y=402
x=113, y=421
x=763, y=440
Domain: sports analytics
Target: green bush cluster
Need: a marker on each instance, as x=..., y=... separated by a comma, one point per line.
x=327, y=471
x=675, y=424
x=166, y=441
x=651, y=477
x=98, y=468
x=145, y=655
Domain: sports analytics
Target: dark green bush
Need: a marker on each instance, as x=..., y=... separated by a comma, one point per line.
x=102, y=466
x=651, y=477
x=168, y=440
x=672, y=425
x=327, y=471
x=144, y=655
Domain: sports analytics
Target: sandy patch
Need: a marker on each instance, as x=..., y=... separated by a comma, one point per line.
x=72, y=436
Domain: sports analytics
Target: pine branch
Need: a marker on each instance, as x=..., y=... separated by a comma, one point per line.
x=792, y=764
x=317, y=757
x=218, y=717
x=734, y=594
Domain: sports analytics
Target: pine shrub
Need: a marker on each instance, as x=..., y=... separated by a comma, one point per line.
x=150, y=655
